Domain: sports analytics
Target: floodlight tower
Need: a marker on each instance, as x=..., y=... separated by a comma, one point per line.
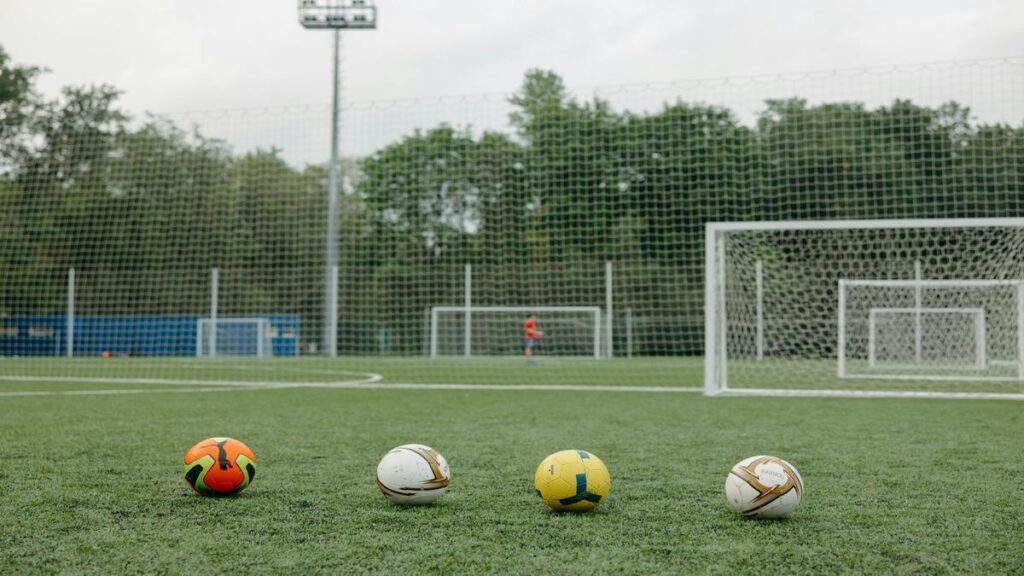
x=336, y=15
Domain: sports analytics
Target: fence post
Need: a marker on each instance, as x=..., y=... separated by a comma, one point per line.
x=467, y=328
x=608, y=306
x=214, y=278
x=70, y=331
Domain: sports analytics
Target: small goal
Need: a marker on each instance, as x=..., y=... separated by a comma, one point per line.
x=499, y=330
x=234, y=337
x=865, y=308
x=955, y=330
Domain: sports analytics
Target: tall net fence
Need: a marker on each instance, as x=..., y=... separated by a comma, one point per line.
x=538, y=190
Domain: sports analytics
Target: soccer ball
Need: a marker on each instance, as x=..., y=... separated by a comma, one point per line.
x=764, y=487
x=413, y=474
x=219, y=467
x=572, y=480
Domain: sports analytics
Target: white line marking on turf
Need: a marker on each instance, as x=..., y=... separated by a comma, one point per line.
x=114, y=391
x=499, y=387
x=371, y=383
x=368, y=377
x=791, y=393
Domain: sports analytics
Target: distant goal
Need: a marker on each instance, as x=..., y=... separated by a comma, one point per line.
x=894, y=308
x=234, y=337
x=499, y=330
x=955, y=330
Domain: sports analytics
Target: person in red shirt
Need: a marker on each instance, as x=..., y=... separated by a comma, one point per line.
x=532, y=336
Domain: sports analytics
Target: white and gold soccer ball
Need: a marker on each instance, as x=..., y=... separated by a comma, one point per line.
x=764, y=487
x=413, y=474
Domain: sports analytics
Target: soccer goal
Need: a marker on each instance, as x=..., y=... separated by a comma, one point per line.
x=234, y=337
x=930, y=308
x=938, y=329
x=499, y=330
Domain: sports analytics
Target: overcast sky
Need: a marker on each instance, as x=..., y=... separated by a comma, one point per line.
x=175, y=55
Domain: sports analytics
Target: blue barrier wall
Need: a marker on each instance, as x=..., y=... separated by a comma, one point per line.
x=125, y=335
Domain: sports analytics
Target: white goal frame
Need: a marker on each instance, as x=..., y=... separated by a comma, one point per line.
x=980, y=336
x=921, y=284
x=436, y=311
x=715, y=329
x=207, y=348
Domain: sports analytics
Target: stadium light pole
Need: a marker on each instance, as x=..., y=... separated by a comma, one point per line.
x=335, y=15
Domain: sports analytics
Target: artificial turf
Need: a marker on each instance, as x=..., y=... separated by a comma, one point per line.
x=93, y=483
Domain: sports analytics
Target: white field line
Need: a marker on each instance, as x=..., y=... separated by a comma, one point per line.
x=506, y=387
x=367, y=377
x=871, y=394
x=372, y=382
x=114, y=391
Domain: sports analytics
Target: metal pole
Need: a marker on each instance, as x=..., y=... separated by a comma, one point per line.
x=214, y=279
x=330, y=296
x=918, y=300
x=334, y=312
x=433, y=333
x=759, y=282
x=1020, y=331
x=70, y=332
x=710, y=312
x=723, y=326
x=426, y=332
x=841, y=343
x=872, y=356
x=629, y=332
x=608, y=305
x=980, y=340
x=467, y=334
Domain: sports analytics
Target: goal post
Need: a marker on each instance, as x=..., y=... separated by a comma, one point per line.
x=919, y=307
x=234, y=337
x=498, y=330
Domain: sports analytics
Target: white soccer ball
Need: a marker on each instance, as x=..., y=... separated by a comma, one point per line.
x=764, y=487
x=413, y=474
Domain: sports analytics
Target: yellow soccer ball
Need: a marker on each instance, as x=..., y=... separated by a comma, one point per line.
x=572, y=480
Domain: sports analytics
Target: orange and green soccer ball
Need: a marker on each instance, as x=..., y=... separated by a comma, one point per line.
x=219, y=467
x=572, y=480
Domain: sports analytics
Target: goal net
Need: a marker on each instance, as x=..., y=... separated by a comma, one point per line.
x=500, y=330
x=921, y=337
x=120, y=232
x=234, y=337
x=923, y=307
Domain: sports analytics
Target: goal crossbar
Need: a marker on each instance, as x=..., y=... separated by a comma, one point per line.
x=715, y=227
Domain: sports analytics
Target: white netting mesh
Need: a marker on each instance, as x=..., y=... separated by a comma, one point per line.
x=923, y=338
x=538, y=190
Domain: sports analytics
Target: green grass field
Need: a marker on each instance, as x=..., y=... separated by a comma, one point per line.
x=92, y=482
